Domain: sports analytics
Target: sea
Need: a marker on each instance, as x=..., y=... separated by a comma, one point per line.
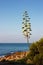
x=8, y=48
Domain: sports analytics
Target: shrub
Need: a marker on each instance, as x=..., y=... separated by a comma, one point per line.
x=38, y=59
x=36, y=52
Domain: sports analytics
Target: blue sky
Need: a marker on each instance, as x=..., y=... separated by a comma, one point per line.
x=11, y=12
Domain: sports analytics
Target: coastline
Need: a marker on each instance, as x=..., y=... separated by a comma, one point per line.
x=14, y=56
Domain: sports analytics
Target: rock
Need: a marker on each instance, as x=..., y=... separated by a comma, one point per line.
x=14, y=56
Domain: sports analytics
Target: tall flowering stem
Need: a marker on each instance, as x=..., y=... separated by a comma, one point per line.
x=26, y=26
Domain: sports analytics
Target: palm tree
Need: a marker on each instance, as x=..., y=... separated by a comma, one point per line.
x=26, y=26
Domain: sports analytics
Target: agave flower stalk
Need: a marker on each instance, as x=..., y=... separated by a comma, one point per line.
x=26, y=26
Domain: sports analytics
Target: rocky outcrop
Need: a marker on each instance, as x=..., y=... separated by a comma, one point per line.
x=14, y=56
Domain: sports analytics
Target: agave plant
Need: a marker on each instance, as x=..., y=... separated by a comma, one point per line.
x=26, y=26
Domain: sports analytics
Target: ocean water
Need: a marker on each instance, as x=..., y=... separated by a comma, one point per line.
x=7, y=48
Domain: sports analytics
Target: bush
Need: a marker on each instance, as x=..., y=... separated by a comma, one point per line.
x=36, y=52
x=40, y=45
x=38, y=59
x=33, y=51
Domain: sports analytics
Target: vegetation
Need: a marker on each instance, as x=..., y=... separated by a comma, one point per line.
x=26, y=28
x=36, y=52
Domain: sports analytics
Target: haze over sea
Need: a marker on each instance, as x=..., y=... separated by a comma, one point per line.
x=7, y=48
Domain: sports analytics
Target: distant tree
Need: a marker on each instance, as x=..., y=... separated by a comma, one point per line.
x=26, y=26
